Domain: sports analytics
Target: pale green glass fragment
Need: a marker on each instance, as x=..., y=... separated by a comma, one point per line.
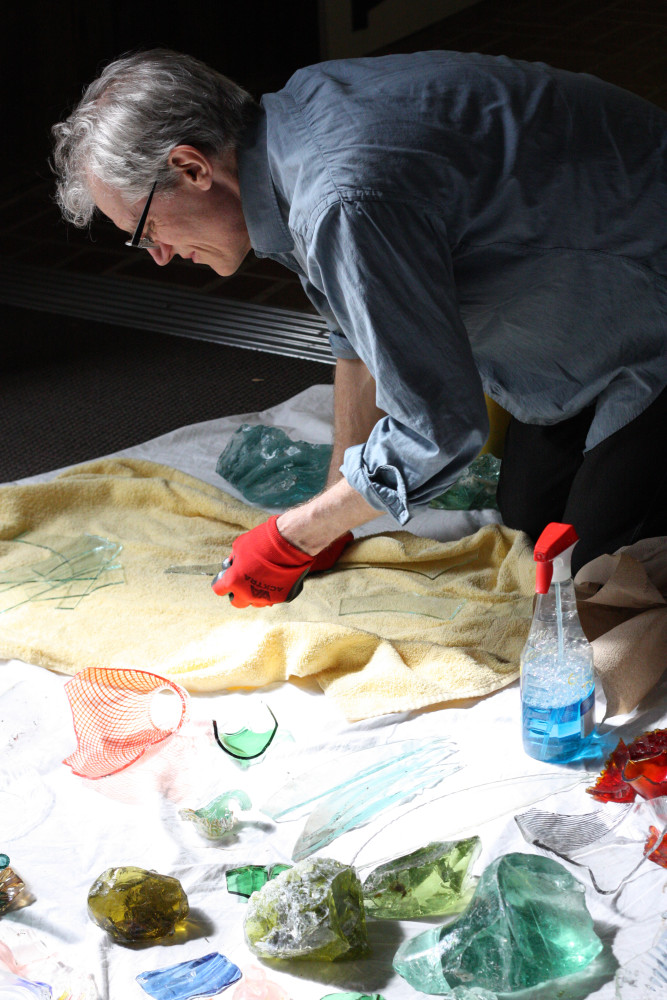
x=217, y=818
x=526, y=924
x=432, y=881
x=313, y=911
x=298, y=794
x=361, y=800
x=60, y=570
x=444, y=608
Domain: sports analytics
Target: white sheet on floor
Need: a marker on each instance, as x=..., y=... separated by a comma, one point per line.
x=62, y=831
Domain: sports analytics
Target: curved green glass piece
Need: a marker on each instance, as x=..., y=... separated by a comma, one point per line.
x=250, y=878
x=246, y=744
x=217, y=818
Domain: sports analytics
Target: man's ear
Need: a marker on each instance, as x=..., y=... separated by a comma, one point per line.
x=194, y=166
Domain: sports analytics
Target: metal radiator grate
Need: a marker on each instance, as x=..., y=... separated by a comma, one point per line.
x=147, y=306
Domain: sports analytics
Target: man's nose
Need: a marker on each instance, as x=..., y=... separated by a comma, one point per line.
x=162, y=253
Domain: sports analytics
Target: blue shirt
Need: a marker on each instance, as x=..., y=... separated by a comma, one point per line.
x=468, y=223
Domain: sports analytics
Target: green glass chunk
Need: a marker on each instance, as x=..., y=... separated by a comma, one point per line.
x=244, y=743
x=217, y=818
x=250, y=878
x=432, y=881
x=4, y=861
x=244, y=881
x=526, y=924
x=313, y=911
x=133, y=904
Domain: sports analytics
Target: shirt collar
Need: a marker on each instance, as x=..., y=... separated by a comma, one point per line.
x=266, y=226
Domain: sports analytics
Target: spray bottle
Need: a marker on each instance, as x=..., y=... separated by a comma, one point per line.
x=557, y=679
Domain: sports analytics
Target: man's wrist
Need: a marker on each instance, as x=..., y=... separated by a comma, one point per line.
x=314, y=525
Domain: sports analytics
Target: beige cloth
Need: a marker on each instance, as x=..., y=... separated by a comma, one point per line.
x=622, y=602
x=476, y=593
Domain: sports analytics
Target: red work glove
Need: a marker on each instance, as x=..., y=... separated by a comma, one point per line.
x=327, y=557
x=264, y=568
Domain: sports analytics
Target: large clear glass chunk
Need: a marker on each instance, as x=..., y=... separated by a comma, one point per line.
x=526, y=924
x=312, y=911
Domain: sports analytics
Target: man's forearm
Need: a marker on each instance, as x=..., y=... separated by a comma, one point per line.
x=355, y=412
x=314, y=525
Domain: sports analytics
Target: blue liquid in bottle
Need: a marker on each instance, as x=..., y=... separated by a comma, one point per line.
x=557, y=679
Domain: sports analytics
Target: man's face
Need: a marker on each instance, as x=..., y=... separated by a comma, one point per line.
x=199, y=220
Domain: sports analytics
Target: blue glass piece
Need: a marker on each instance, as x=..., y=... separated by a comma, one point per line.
x=270, y=469
x=199, y=977
x=15, y=988
x=399, y=780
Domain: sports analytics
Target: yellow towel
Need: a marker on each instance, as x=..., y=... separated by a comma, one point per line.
x=444, y=621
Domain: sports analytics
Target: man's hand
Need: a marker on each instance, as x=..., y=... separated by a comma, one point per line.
x=263, y=569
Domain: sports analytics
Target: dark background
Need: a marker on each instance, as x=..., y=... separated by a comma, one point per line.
x=73, y=389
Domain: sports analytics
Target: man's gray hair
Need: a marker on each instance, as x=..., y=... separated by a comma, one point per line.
x=130, y=119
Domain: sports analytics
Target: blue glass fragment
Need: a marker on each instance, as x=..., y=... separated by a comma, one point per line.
x=199, y=977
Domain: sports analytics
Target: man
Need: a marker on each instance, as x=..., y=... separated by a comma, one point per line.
x=465, y=224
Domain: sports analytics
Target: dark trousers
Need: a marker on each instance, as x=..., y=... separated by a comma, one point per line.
x=614, y=494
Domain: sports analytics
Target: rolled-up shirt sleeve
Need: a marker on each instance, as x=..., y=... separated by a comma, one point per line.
x=384, y=269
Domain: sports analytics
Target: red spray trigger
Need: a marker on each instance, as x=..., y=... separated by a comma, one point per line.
x=554, y=539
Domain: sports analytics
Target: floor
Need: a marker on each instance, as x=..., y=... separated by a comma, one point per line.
x=156, y=383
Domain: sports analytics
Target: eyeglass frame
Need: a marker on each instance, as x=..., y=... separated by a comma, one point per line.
x=136, y=240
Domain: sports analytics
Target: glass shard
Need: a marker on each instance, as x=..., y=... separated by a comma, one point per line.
x=313, y=911
x=640, y=768
x=250, y=878
x=255, y=986
x=133, y=904
x=433, y=881
x=444, y=608
x=526, y=924
x=4, y=860
x=11, y=887
x=475, y=489
x=245, y=742
x=217, y=818
x=272, y=470
x=198, y=977
x=361, y=800
x=608, y=846
x=60, y=570
x=15, y=988
x=112, y=718
x=460, y=813
x=645, y=977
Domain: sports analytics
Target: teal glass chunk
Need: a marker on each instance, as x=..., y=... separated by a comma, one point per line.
x=199, y=977
x=244, y=743
x=313, y=911
x=270, y=469
x=432, y=881
x=217, y=818
x=475, y=489
x=4, y=861
x=526, y=924
x=396, y=781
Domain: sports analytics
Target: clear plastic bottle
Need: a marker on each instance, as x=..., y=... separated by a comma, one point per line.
x=557, y=678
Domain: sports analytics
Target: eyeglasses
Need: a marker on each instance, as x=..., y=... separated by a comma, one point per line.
x=136, y=240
